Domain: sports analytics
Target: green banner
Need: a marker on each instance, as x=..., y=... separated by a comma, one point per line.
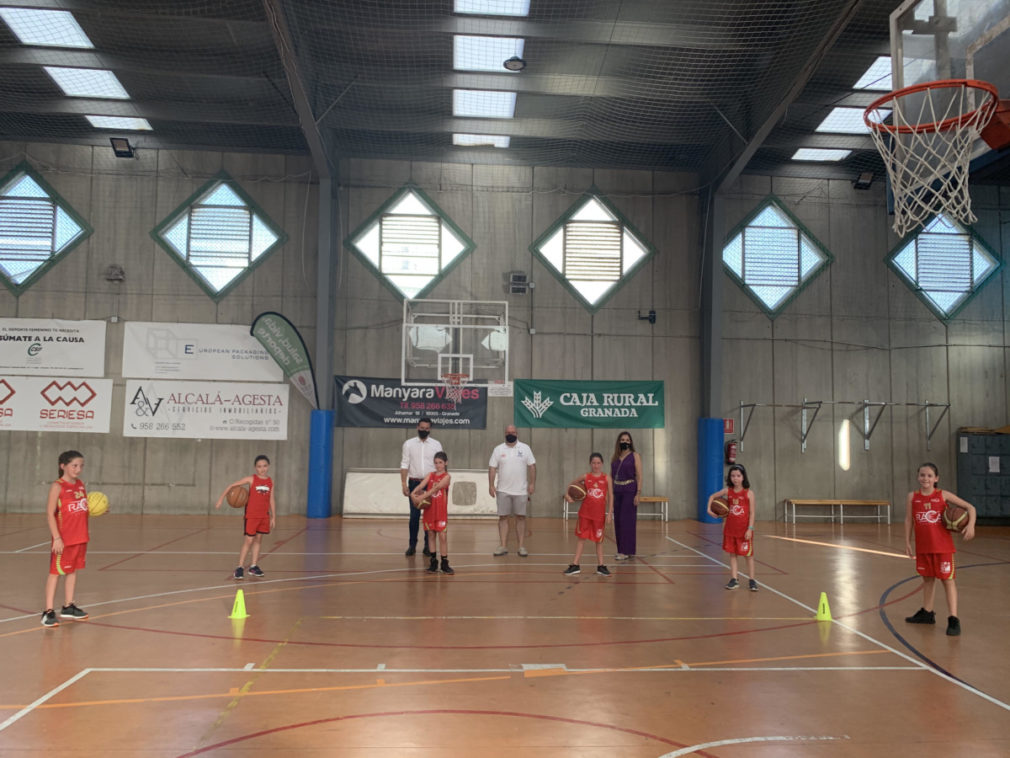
x=285, y=344
x=574, y=404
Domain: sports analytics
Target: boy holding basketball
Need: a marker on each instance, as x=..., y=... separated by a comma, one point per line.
x=260, y=514
x=738, y=529
x=435, y=488
x=934, y=546
x=596, y=511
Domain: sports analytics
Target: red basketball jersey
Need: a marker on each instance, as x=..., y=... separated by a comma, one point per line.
x=931, y=536
x=739, y=512
x=594, y=505
x=72, y=512
x=436, y=517
x=258, y=505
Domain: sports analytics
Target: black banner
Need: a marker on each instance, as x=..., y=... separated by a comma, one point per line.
x=369, y=401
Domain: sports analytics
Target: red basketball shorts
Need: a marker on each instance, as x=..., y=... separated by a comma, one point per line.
x=71, y=559
x=590, y=529
x=938, y=565
x=737, y=545
x=254, y=526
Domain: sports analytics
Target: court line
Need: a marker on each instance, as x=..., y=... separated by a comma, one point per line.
x=565, y=618
x=32, y=706
x=32, y=547
x=932, y=670
x=840, y=547
x=742, y=740
x=152, y=549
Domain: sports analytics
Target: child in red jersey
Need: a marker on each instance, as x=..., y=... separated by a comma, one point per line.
x=260, y=514
x=738, y=530
x=436, y=516
x=596, y=511
x=934, y=546
x=67, y=514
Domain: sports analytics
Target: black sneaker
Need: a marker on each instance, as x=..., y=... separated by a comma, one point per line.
x=572, y=570
x=255, y=571
x=603, y=571
x=239, y=574
x=732, y=584
x=433, y=566
x=49, y=618
x=410, y=551
x=753, y=585
x=73, y=612
x=953, y=626
x=922, y=616
x=446, y=568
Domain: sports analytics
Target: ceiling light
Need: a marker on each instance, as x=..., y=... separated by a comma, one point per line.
x=470, y=103
x=47, y=28
x=477, y=53
x=121, y=147
x=480, y=140
x=87, y=82
x=819, y=154
x=128, y=123
x=515, y=63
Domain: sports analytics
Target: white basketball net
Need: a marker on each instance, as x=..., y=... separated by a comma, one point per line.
x=454, y=385
x=926, y=146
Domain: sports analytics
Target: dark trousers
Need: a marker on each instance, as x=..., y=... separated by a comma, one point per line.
x=415, y=514
x=625, y=521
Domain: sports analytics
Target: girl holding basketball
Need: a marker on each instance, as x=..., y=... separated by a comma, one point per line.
x=596, y=511
x=738, y=529
x=934, y=546
x=67, y=515
x=435, y=487
x=260, y=514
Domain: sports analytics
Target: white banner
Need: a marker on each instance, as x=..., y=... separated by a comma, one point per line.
x=50, y=347
x=33, y=404
x=196, y=351
x=205, y=410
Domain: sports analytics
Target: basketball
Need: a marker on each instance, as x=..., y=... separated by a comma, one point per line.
x=98, y=504
x=424, y=504
x=720, y=507
x=237, y=497
x=955, y=518
x=575, y=492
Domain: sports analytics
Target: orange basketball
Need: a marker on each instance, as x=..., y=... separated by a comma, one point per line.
x=575, y=492
x=955, y=518
x=424, y=504
x=237, y=497
x=720, y=507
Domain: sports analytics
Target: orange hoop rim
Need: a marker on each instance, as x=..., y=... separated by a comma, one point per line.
x=455, y=379
x=933, y=126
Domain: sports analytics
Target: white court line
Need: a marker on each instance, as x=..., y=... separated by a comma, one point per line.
x=868, y=638
x=31, y=707
x=741, y=740
x=30, y=547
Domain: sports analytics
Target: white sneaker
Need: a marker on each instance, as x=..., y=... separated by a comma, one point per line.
x=523, y=552
x=620, y=557
x=500, y=550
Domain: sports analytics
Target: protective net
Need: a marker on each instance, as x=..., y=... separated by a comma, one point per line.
x=925, y=135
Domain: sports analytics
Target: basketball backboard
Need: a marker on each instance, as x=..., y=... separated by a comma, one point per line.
x=443, y=337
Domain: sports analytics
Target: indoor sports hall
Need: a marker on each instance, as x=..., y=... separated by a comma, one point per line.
x=262, y=258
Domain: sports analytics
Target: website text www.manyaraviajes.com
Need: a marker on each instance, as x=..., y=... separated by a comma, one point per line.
x=437, y=422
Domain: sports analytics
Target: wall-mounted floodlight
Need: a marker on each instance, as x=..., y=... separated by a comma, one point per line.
x=121, y=147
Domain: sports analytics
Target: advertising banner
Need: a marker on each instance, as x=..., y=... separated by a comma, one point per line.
x=576, y=404
x=285, y=345
x=369, y=401
x=50, y=347
x=205, y=410
x=34, y=404
x=225, y=352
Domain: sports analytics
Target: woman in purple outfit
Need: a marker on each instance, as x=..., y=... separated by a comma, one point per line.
x=626, y=474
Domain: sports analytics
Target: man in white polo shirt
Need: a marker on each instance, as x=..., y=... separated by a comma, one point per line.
x=417, y=460
x=516, y=470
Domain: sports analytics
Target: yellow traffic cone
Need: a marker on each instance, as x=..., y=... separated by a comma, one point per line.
x=823, y=611
x=238, y=609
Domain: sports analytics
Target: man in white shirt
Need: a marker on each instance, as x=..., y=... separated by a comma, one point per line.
x=516, y=470
x=417, y=460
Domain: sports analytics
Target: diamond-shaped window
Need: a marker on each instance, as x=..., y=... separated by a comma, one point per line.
x=772, y=256
x=37, y=228
x=219, y=235
x=592, y=250
x=944, y=265
x=409, y=243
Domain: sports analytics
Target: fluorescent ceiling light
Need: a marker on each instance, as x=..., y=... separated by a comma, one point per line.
x=477, y=103
x=493, y=7
x=877, y=76
x=45, y=28
x=87, y=82
x=480, y=140
x=847, y=121
x=819, y=154
x=124, y=123
x=485, y=53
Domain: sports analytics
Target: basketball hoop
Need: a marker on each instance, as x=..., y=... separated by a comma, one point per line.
x=454, y=385
x=925, y=135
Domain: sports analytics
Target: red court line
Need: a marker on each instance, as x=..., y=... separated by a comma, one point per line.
x=284, y=542
x=156, y=547
x=655, y=570
x=19, y=610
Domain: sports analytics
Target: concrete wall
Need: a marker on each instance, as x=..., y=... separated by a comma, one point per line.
x=855, y=333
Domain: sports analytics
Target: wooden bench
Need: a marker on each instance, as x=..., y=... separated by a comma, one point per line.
x=659, y=507
x=841, y=504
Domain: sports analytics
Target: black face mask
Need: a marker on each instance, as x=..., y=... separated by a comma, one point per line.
x=510, y=438
x=625, y=446
x=423, y=433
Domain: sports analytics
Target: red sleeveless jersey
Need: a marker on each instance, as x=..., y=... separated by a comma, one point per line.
x=258, y=505
x=931, y=536
x=594, y=505
x=738, y=519
x=72, y=512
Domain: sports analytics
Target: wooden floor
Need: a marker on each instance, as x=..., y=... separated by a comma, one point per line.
x=351, y=649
